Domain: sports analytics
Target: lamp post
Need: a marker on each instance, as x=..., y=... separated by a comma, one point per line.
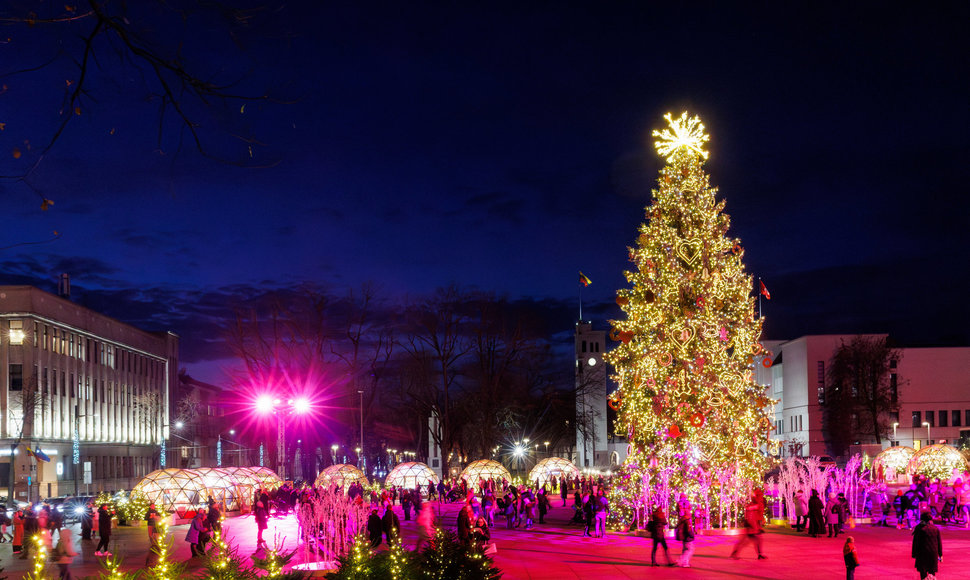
x=927, y=425
x=361, y=462
x=894, y=431
x=267, y=404
x=546, y=443
x=334, y=448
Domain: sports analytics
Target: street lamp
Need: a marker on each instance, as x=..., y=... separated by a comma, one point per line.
x=267, y=404
x=546, y=443
x=894, y=430
x=927, y=425
x=334, y=448
x=361, y=462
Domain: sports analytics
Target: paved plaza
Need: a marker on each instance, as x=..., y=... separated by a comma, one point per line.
x=557, y=551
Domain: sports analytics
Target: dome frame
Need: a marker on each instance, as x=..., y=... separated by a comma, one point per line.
x=551, y=467
x=410, y=475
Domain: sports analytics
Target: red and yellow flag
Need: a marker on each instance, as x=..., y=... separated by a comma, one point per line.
x=583, y=279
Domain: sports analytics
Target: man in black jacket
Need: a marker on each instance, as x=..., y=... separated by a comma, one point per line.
x=927, y=546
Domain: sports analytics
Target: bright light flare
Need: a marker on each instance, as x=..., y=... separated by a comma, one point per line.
x=518, y=452
x=265, y=404
x=684, y=133
x=300, y=406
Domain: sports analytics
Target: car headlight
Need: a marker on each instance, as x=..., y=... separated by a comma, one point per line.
x=79, y=511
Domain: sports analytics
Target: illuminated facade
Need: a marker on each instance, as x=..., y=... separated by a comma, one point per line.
x=88, y=391
x=930, y=385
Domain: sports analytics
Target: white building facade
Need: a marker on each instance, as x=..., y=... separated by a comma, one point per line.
x=88, y=391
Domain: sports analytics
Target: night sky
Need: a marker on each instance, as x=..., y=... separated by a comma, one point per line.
x=503, y=148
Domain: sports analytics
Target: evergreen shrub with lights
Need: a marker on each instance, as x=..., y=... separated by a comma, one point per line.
x=694, y=417
x=445, y=559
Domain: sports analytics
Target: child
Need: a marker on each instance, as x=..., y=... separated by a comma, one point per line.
x=851, y=558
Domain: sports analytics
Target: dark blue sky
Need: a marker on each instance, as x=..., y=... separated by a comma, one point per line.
x=503, y=147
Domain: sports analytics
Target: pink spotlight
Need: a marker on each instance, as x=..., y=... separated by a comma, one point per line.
x=301, y=405
x=264, y=404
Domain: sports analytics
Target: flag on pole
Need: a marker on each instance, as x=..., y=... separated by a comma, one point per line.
x=37, y=454
x=764, y=290
x=584, y=280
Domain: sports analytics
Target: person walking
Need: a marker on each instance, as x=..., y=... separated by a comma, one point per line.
x=753, y=518
x=602, y=513
x=816, y=515
x=801, y=510
x=390, y=524
x=195, y=535
x=406, y=504
x=64, y=552
x=589, y=515
x=685, y=530
x=833, y=515
x=104, y=531
x=851, y=558
x=658, y=533
x=425, y=526
x=261, y=515
x=375, y=528
x=563, y=490
x=153, y=523
x=18, y=531
x=927, y=546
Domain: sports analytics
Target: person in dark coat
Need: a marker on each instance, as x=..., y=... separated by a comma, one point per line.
x=927, y=546
x=816, y=517
x=104, y=531
x=31, y=527
x=465, y=518
x=374, y=529
x=390, y=524
x=261, y=514
x=658, y=530
x=406, y=504
x=214, y=517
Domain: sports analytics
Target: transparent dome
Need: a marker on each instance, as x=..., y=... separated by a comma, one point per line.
x=894, y=460
x=342, y=475
x=937, y=461
x=173, y=489
x=551, y=467
x=484, y=469
x=411, y=475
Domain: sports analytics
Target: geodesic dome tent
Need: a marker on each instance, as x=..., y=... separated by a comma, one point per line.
x=551, y=467
x=411, y=475
x=341, y=475
x=268, y=479
x=894, y=460
x=174, y=490
x=223, y=487
x=937, y=461
x=484, y=469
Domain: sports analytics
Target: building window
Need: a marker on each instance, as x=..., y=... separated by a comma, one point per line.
x=584, y=346
x=918, y=418
x=16, y=377
x=943, y=417
x=820, y=382
x=955, y=416
x=893, y=389
x=16, y=332
x=930, y=415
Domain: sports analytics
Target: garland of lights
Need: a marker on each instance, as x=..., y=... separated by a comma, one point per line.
x=694, y=417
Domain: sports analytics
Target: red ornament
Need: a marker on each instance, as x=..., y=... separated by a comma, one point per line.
x=614, y=334
x=626, y=337
x=674, y=431
x=699, y=363
x=697, y=419
x=622, y=301
x=766, y=362
x=615, y=404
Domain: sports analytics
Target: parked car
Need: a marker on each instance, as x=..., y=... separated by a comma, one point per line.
x=73, y=507
x=826, y=461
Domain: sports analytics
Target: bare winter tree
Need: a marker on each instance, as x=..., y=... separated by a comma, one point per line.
x=96, y=49
x=859, y=391
x=24, y=405
x=437, y=343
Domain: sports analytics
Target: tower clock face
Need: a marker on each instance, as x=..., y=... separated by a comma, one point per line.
x=591, y=361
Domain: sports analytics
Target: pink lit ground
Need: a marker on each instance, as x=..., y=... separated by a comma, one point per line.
x=557, y=551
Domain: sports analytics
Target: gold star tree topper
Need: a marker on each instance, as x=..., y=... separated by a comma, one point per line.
x=684, y=133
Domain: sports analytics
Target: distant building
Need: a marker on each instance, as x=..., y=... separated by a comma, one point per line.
x=595, y=447
x=89, y=392
x=929, y=385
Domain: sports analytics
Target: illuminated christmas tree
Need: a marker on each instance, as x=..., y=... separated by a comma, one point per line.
x=687, y=400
